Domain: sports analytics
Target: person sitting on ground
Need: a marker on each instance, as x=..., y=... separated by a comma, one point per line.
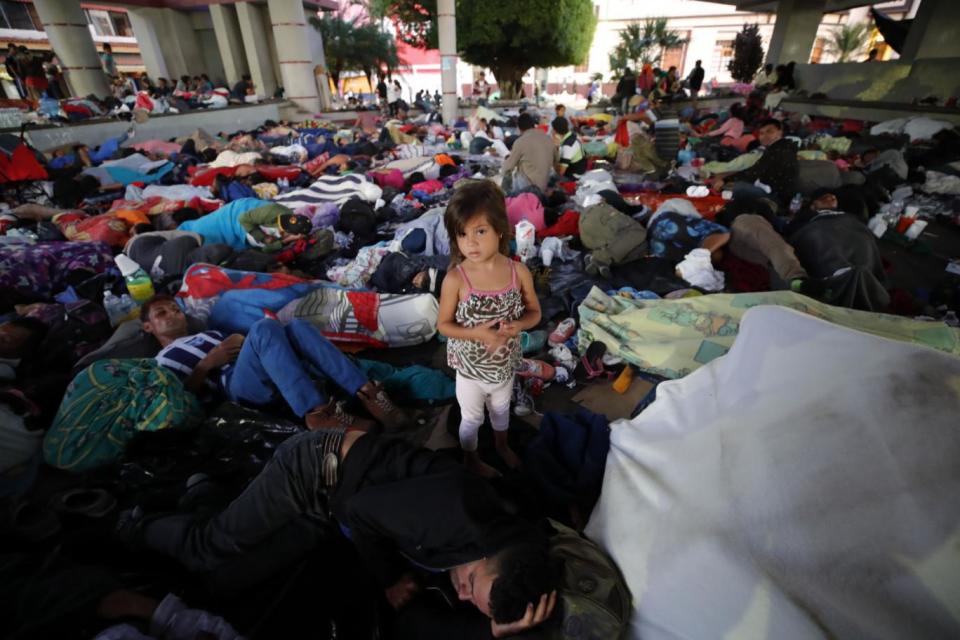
x=766, y=77
x=383, y=494
x=206, y=85
x=251, y=223
x=778, y=168
x=270, y=362
x=143, y=82
x=531, y=157
x=571, y=159
x=242, y=88
x=162, y=90
x=731, y=129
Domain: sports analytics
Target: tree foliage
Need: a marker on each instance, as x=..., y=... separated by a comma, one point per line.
x=351, y=46
x=506, y=36
x=644, y=43
x=747, y=54
x=847, y=41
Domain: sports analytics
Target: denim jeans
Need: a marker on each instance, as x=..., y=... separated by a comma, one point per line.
x=279, y=517
x=277, y=359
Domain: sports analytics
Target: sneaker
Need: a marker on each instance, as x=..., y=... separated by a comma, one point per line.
x=333, y=416
x=129, y=527
x=521, y=401
x=563, y=331
x=536, y=369
x=381, y=407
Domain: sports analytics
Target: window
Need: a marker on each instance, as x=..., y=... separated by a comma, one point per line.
x=674, y=57
x=722, y=54
x=817, y=53
x=17, y=15
x=102, y=26
x=121, y=24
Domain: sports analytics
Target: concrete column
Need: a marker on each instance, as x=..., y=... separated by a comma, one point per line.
x=935, y=32
x=795, y=31
x=253, y=28
x=203, y=32
x=289, y=22
x=147, y=28
x=321, y=78
x=447, y=27
x=69, y=35
x=226, y=27
x=181, y=47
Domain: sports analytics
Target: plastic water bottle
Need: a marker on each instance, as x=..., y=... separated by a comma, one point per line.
x=796, y=203
x=114, y=308
x=138, y=282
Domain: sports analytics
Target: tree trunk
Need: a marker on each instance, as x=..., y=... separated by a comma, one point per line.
x=510, y=79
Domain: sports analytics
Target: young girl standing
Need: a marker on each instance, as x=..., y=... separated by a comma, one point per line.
x=486, y=301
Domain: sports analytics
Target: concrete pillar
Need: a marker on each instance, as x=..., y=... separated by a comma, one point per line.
x=229, y=41
x=935, y=32
x=253, y=28
x=203, y=32
x=147, y=29
x=795, y=31
x=447, y=28
x=181, y=47
x=69, y=35
x=289, y=22
x=321, y=79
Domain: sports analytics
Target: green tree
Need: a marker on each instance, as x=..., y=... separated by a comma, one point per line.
x=643, y=43
x=506, y=36
x=747, y=54
x=847, y=41
x=349, y=46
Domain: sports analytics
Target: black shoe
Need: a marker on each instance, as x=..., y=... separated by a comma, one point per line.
x=129, y=527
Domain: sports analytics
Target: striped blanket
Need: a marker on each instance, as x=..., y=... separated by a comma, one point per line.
x=107, y=403
x=335, y=189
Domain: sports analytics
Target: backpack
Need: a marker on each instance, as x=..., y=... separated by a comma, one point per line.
x=612, y=236
x=594, y=599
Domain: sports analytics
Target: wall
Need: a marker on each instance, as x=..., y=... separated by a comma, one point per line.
x=158, y=127
x=892, y=81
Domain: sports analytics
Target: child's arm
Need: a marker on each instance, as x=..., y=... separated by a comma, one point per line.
x=531, y=304
x=446, y=320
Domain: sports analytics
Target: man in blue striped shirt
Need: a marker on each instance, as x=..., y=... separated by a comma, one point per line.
x=272, y=361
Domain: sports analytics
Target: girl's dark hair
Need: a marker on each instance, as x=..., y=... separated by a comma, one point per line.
x=476, y=197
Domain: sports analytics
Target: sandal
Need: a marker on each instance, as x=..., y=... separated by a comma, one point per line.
x=591, y=363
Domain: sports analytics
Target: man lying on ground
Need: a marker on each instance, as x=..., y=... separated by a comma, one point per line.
x=271, y=361
x=402, y=507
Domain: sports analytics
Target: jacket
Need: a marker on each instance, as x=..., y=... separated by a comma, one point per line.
x=401, y=506
x=778, y=168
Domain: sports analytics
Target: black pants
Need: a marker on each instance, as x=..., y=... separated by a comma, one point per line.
x=284, y=512
x=278, y=518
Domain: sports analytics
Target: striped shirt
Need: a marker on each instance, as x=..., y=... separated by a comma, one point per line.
x=335, y=189
x=572, y=155
x=184, y=354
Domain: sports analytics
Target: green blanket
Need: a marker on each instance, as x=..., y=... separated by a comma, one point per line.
x=107, y=403
x=672, y=338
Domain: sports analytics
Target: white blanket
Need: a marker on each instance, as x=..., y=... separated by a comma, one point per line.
x=805, y=485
